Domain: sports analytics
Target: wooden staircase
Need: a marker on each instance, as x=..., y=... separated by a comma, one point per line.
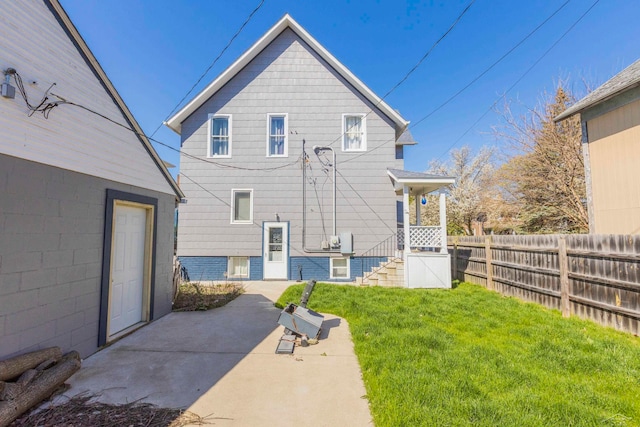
x=390, y=273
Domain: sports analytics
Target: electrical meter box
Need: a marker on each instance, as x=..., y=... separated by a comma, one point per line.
x=346, y=243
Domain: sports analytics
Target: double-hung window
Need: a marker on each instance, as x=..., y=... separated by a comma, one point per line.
x=277, y=135
x=354, y=134
x=241, y=206
x=219, y=135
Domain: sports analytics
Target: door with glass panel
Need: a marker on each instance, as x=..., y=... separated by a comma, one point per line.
x=276, y=250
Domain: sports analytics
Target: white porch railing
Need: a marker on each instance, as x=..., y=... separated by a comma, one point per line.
x=425, y=237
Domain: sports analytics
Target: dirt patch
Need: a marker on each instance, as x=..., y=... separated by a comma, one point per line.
x=80, y=411
x=196, y=296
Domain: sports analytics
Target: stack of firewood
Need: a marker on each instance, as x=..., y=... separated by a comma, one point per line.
x=28, y=379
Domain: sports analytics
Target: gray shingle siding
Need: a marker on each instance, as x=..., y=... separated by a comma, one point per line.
x=286, y=77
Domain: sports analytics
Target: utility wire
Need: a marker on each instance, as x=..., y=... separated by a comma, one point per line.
x=200, y=159
x=210, y=65
x=413, y=125
x=364, y=201
x=518, y=80
x=414, y=68
x=517, y=45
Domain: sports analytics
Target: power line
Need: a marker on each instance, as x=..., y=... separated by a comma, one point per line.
x=517, y=45
x=244, y=24
x=413, y=125
x=519, y=79
x=200, y=159
x=414, y=68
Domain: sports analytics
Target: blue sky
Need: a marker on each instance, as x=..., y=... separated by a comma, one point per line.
x=155, y=50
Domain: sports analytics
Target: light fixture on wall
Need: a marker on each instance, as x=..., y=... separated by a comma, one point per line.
x=8, y=91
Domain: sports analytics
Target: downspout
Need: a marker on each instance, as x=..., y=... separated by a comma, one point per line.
x=304, y=199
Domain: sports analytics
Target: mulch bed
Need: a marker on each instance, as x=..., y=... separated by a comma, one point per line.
x=195, y=296
x=80, y=411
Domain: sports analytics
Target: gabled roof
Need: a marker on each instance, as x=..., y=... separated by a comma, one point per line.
x=418, y=181
x=621, y=82
x=175, y=122
x=92, y=62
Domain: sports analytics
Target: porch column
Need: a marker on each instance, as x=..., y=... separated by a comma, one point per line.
x=407, y=224
x=443, y=223
x=418, y=216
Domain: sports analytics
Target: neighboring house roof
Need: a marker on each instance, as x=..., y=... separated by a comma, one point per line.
x=175, y=122
x=420, y=182
x=92, y=62
x=621, y=82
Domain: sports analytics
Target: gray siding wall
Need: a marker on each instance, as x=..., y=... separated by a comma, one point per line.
x=286, y=77
x=51, y=240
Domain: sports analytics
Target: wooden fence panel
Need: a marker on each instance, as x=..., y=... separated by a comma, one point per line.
x=603, y=272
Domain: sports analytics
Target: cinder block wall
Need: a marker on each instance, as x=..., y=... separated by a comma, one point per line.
x=51, y=242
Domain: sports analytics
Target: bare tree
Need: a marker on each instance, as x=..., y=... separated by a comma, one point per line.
x=468, y=198
x=544, y=179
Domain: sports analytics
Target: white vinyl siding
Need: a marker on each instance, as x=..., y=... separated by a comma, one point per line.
x=354, y=134
x=219, y=135
x=238, y=267
x=277, y=141
x=340, y=268
x=241, y=206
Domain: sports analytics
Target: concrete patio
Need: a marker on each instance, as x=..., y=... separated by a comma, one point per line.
x=222, y=364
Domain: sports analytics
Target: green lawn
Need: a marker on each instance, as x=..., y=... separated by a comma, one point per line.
x=468, y=356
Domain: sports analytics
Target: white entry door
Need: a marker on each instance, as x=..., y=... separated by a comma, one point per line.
x=276, y=250
x=128, y=265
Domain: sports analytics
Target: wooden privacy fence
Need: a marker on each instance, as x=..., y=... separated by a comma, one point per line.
x=591, y=276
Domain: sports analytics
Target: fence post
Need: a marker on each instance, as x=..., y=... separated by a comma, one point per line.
x=487, y=252
x=563, y=263
x=455, y=258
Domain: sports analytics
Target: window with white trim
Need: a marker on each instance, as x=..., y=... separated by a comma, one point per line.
x=241, y=206
x=339, y=268
x=277, y=141
x=354, y=133
x=238, y=267
x=219, y=135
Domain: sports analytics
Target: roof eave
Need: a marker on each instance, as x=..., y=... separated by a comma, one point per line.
x=175, y=122
x=100, y=73
x=579, y=109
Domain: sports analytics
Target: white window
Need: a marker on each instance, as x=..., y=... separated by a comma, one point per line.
x=241, y=206
x=238, y=267
x=219, y=135
x=277, y=141
x=354, y=132
x=339, y=268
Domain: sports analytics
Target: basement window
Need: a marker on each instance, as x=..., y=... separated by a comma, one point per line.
x=238, y=267
x=339, y=268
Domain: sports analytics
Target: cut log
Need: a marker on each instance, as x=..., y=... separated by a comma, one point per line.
x=14, y=367
x=10, y=391
x=40, y=389
x=46, y=365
